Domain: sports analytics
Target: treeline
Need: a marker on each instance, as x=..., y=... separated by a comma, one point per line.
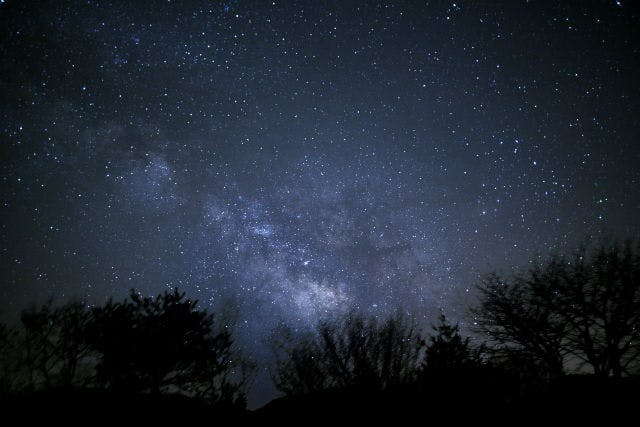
x=361, y=353
x=578, y=313
x=573, y=314
x=152, y=345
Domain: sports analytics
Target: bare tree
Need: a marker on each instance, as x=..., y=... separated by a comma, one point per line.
x=569, y=312
x=354, y=351
x=299, y=367
x=521, y=318
x=601, y=305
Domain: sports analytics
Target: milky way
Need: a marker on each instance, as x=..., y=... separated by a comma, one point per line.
x=295, y=160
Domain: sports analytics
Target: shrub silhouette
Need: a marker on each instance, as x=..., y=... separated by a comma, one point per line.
x=571, y=312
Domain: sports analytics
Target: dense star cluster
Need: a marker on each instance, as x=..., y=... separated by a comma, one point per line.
x=298, y=159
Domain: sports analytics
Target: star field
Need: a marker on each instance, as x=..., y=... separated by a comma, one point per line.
x=298, y=159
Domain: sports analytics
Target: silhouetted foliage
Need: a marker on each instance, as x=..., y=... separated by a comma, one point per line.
x=354, y=351
x=447, y=350
x=569, y=312
x=166, y=344
x=161, y=345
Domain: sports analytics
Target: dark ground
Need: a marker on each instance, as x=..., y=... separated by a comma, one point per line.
x=571, y=399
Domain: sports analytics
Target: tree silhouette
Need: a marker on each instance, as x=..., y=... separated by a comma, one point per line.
x=570, y=311
x=447, y=350
x=522, y=318
x=354, y=351
x=299, y=368
x=601, y=303
x=54, y=344
x=166, y=344
x=454, y=366
x=8, y=365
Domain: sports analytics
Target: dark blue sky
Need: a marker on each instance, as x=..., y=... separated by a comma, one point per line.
x=294, y=160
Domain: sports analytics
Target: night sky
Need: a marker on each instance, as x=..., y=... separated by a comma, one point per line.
x=294, y=160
